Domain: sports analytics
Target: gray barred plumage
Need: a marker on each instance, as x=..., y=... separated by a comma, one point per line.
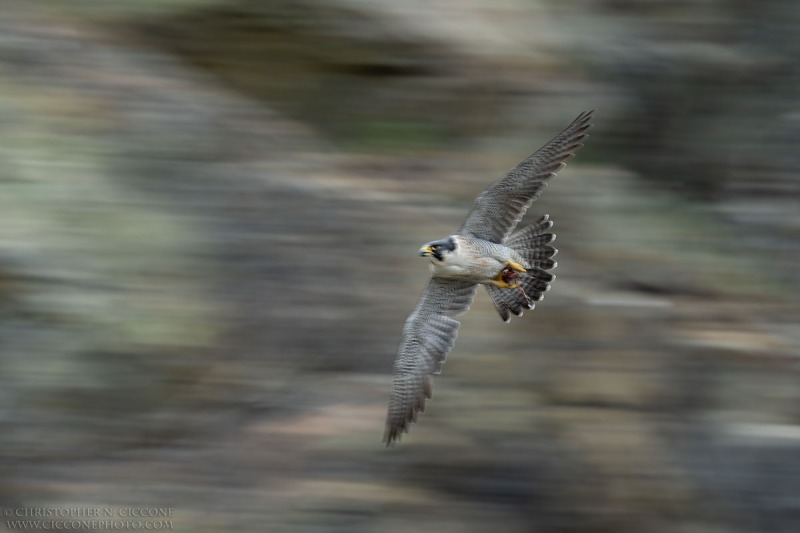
x=514, y=268
x=533, y=243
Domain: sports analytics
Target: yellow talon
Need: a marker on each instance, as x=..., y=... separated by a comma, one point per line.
x=505, y=279
x=515, y=266
x=503, y=284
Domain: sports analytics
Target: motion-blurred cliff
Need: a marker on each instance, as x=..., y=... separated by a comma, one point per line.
x=211, y=211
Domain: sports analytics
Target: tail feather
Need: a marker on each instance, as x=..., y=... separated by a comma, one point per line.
x=532, y=243
x=522, y=238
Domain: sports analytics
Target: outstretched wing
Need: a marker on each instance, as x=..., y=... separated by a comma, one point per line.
x=428, y=335
x=496, y=212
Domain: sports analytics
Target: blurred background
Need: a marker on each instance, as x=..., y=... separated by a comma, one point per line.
x=211, y=211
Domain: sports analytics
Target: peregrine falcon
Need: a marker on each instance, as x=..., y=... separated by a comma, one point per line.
x=514, y=268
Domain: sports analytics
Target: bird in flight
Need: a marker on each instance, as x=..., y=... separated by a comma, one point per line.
x=514, y=268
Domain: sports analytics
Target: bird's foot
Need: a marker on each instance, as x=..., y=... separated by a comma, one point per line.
x=508, y=278
x=515, y=266
x=504, y=284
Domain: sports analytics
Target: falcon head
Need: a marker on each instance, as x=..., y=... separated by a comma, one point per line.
x=438, y=249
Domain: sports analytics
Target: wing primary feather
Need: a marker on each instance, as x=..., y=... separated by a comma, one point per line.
x=428, y=336
x=497, y=210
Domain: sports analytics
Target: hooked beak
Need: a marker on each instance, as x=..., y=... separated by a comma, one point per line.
x=425, y=251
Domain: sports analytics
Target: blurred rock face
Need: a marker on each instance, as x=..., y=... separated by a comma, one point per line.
x=211, y=216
